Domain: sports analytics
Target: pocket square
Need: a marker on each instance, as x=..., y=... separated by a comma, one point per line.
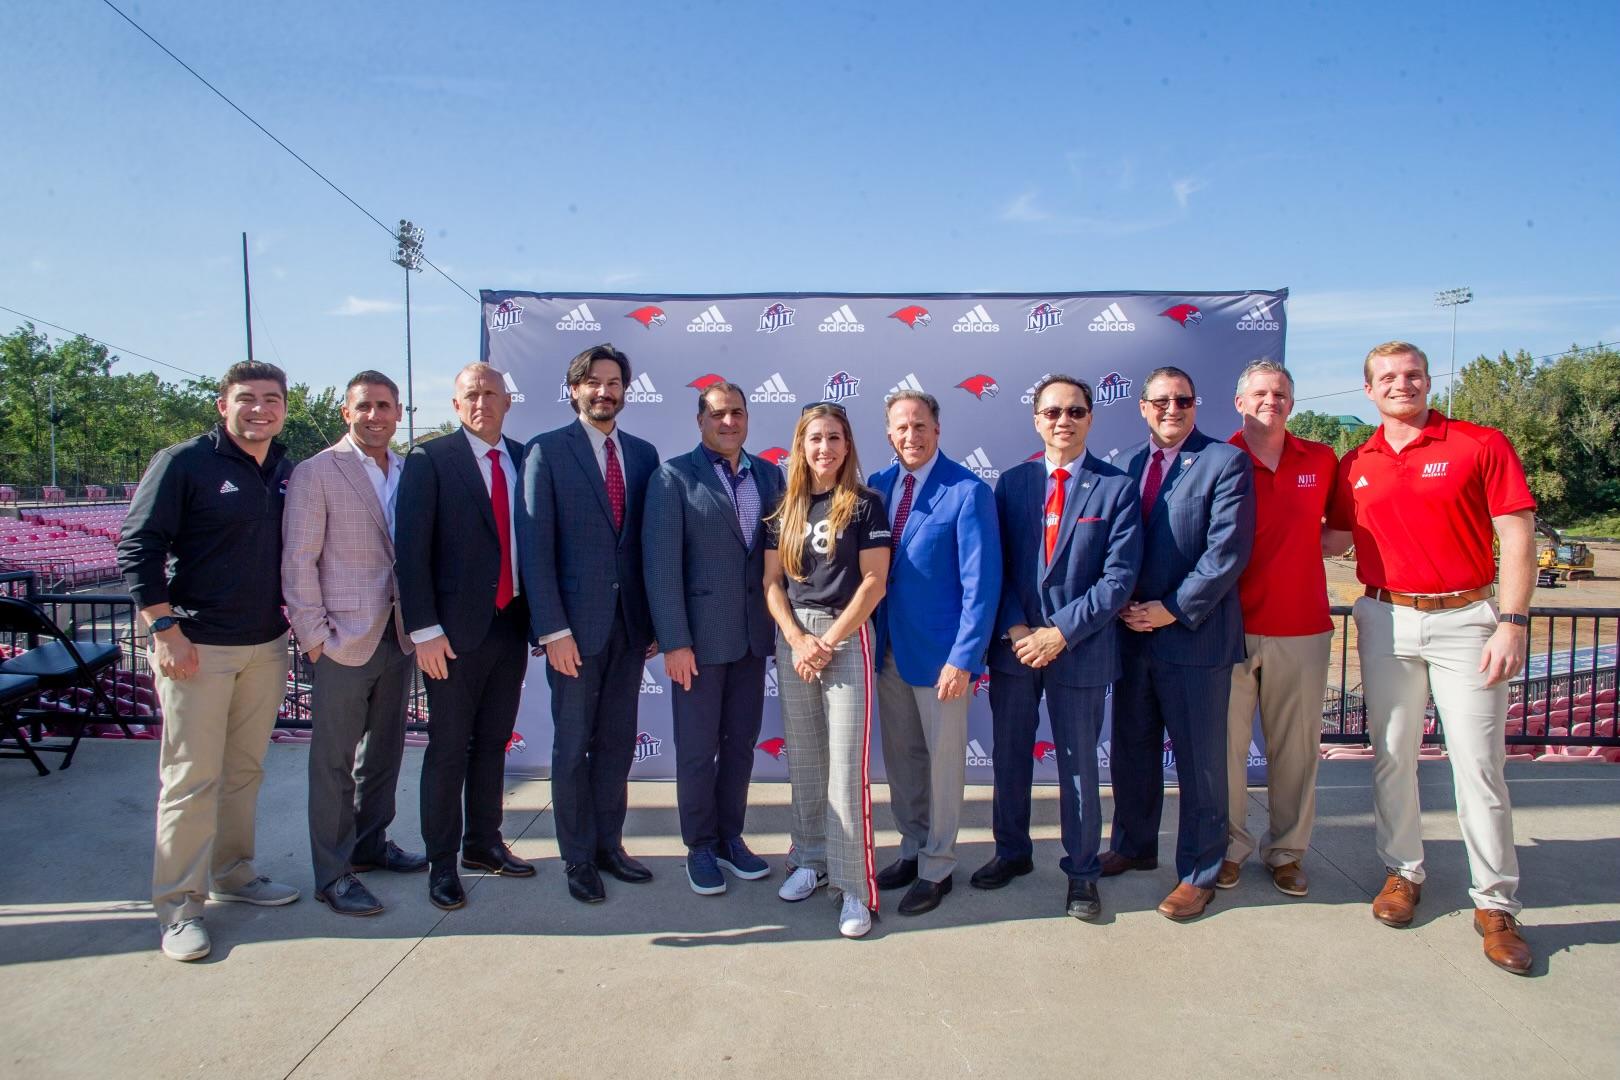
x=1082, y=521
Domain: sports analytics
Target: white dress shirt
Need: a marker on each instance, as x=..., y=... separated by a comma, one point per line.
x=599, y=448
x=386, y=485
x=899, y=489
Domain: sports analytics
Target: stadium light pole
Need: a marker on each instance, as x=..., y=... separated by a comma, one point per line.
x=1453, y=299
x=408, y=255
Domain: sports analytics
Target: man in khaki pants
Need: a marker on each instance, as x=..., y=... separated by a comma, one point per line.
x=201, y=554
x=1420, y=499
x=1287, y=631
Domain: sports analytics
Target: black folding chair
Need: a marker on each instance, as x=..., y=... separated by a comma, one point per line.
x=60, y=664
x=15, y=690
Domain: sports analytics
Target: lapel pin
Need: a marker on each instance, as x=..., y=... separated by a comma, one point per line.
x=1185, y=462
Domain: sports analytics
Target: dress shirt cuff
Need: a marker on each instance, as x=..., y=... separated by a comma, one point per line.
x=557, y=636
x=426, y=634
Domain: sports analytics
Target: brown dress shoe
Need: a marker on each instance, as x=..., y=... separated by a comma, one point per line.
x=1186, y=902
x=1396, y=903
x=1290, y=878
x=1503, y=945
x=1114, y=863
x=1228, y=877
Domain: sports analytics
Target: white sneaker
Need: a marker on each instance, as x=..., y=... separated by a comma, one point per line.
x=185, y=940
x=261, y=891
x=801, y=884
x=854, y=921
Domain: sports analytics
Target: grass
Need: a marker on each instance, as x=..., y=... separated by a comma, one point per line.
x=1599, y=525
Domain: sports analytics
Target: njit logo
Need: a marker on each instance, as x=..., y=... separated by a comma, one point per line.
x=1434, y=469
x=649, y=685
x=1185, y=314
x=648, y=746
x=1306, y=480
x=776, y=317
x=1112, y=388
x=773, y=390
x=913, y=316
x=1111, y=320
x=1045, y=751
x=512, y=387
x=772, y=687
x=579, y=319
x=649, y=316
x=1169, y=755
x=776, y=747
x=703, y=382
x=708, y=321
x=1029, y=394
x=563, y=396
x=980, y=386
x=840, y=385
x=979, y=462
x=777, y=456
x=515, y=742
x=507, y=314
x=1042, y=317
x=842, y=321
x=976, y=321
x=1259, y=317
x=641, y=391
x=976, y=754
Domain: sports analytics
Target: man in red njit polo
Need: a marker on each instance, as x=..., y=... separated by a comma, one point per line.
x=1421, y=499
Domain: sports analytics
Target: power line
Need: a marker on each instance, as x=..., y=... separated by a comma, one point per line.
x=1441, y=374
x=106, y=344
x=296, y=156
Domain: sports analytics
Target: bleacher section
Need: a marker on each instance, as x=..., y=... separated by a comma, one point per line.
x=68, y=547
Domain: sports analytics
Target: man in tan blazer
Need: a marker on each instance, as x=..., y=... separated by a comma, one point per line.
x=337, y=573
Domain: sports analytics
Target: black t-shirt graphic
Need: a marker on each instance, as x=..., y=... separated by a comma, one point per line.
x=830, y=583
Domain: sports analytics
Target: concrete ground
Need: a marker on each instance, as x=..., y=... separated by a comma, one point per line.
x=661, y=982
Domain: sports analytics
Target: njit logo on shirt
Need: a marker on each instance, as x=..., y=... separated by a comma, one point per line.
x=976, y=321
x=1113, y=388
x=979, y=462
x=1045, y=751
x=776, y=317
x=1259, y=317
x=708, y=321
x=1434, y=469
x=507, y=314
x=649, y=316
x=648, y=746
x=776, y=747
x=642, y=391
x=649, y=685
x=1029, y=394
x=976, y=754
x=980, y=386
x=579, y=319
x=1306, y=480
x=840, y=385
x=1043, y=317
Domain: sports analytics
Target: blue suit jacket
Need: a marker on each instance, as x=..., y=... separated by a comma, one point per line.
x=1094, y=566
x=1198, y=541
x=705, y=585
x=576, y=567
x=945, y=576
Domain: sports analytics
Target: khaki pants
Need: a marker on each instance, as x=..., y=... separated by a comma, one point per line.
x=1405, y=655
x=1287, y=678
x=216, y=726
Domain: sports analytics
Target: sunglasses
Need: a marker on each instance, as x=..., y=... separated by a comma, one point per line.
x=833, y=405
x=1054, y=413
x=1162, y=403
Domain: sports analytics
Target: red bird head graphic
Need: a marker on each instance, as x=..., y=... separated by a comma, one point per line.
x=1185, y=314
x=776, y=456
x=913, y=316
x=776, y=747
x=980, y=386
x=703, y=382
x=649, y=316
x=1045, y=751
x=515, y=742
x=981, y=684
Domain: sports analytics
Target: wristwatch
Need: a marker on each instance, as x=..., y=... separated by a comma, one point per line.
x=1516, y=620
x=164, y=622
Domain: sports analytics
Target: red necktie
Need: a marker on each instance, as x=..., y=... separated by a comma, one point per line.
x=902, y=512
x=502, y=508
x=615, y=484
x=1054, y=509
x=1155, y=480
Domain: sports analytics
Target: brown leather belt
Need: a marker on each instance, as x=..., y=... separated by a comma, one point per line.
x=1423, y=602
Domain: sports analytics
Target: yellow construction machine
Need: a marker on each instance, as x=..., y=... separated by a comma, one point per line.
x=1562, y=560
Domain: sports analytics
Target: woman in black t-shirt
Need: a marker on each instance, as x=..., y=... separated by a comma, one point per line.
x=826, y=561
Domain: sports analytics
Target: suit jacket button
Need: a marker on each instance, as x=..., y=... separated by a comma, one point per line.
x=615, y=584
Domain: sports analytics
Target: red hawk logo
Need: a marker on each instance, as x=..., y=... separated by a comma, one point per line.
x=776, y=747
x=515, y=742
x=980, y=386
x=981, y=684
x=649, y=316
x=913, y=316
x=776, y=456
x=1045, y=751
x=703, y=382
x=1185, y=314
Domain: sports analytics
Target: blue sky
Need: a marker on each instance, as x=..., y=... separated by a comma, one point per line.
x=1363, y=156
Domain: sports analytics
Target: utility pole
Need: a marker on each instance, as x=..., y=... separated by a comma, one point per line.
x=247, y=300
x=1453, y=299
x=408, y=255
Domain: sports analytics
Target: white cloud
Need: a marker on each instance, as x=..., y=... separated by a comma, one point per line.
x=354, y=305
x=1184, y=188
x=1023, y=208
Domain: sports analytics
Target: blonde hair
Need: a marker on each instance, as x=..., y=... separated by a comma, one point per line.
x=792, y=516
x=1391, y=348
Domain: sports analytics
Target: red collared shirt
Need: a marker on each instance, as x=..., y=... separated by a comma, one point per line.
x=1284, y=588
x=1421, y=519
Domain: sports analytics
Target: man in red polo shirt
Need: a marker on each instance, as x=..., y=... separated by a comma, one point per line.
x=1286, y=628
x=1420, y=499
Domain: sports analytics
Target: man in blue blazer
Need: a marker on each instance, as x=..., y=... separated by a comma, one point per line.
x=703, y=554
x=1184, y=631
x=584, y=486
x=933, y=628
x=1071, y=543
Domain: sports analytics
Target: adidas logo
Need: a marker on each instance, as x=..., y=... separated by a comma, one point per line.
x=1112, y=319
x=579, y=319
x=976, y=754
x=1257, y=760
x=1361, y=483
x=979, y=462
x=1102, y=755
x=648, y=745
x=908, y=383
x=649, y=685
x=842, y=321
x=976, y=321
x=773, y=391
x=512, y=387
x=1029, y=394
x=642, y=391
x=1259, y=318
x=227, y=488
x=709, y=321
x=772, y=689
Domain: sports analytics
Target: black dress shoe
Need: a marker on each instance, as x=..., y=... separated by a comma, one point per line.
x=623, y=867
x=998, y=872
x=497, y=860
x=1083, y=902
x=898, y=874
x=924, y=896
x=347, y=896
x=585, y=884
x=1114, y=863
x=396, y=860
x=444, y=888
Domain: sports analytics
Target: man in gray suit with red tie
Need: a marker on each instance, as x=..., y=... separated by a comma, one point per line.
x=337, y=578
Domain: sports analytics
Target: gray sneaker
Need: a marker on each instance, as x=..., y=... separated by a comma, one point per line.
x=261, y=891
x=185, y=940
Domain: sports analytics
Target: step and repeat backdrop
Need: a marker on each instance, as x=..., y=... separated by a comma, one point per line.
x=979, y=354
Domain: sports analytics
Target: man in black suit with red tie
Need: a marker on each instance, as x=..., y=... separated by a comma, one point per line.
x=456, y=557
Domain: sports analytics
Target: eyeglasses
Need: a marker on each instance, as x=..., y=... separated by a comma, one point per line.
x=833, y=405
x=1053, y=413
x=1162, y=403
